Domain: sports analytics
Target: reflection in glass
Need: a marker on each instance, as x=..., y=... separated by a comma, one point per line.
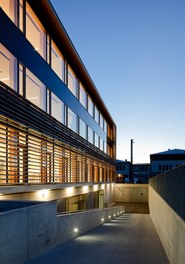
x=96, y=114
x=57, y=108
x=96, y=140
x=83, y=96
x=90, y=106
x=9, y=7
x=8, y=67
x=72, y=120
x=72, y=82
x=82, y=129
x=101, y=143
x=90, y=135
x=57, y=61
x=35, y=90
x=35, y=33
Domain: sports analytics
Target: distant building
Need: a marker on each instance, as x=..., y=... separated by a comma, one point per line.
x=122, y=170
x=141, y=172
x=167, y=160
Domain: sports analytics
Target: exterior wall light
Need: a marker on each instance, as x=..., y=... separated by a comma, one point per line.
x=95, y=187
x=85, y=188
x=114, y=214
x=43, y=193
x=75, y=230
x=109, y=217
x=70, y=190
x=102, y=219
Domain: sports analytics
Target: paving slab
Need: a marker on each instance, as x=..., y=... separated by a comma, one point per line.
x=128, y=239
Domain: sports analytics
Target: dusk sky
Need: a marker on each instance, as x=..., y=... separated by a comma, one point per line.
x=134, y=51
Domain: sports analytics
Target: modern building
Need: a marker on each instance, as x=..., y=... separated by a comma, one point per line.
x=141, y=172
x=55, y=130
x=166, y=160
x=122, y=171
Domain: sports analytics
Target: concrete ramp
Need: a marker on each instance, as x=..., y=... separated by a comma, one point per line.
x=127, y=239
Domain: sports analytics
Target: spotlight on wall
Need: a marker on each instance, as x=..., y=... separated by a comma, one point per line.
x=114, y=214
x=95, y=187
x=70, y=190
x=102, y=219
x=43, y=193
x=109, y=217
x=75, y=230
x=85, y=188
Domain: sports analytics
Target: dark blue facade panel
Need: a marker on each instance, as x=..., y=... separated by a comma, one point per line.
x=14, y=40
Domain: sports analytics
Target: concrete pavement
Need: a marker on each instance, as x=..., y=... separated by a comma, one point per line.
x=128, y=239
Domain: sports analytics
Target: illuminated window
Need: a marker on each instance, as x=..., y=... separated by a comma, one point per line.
x=101, y=121
x=21, y=15
x=72, y=82
x=96, y=114
x=82, y=129
x=8, y=67
x=96, y=140
x=57, y=61
x=9, y=7
x=101, y=144
x=72, y=120
x=105, y=126
x=90, y=135
x=35, y=33
x=90, y=106
x=83, y=96
x=57, y=108
x=35, y=90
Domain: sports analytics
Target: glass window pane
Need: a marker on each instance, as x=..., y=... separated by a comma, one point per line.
x=101, y=121
x=72, y=120
x=21, y=79
x=21, y=15
x=57, y=61
x=35, y=33
x=35, y=90
x=96, y=114
x=105, y=147
x=8, y=68
x=72, y=82
x=83, y=96
x=83, y=129
x=90, y=106
x=90, y=135
x=105, y=126
x=57, y=108
x=8, y=7
x=101, y=144
x=96, y=140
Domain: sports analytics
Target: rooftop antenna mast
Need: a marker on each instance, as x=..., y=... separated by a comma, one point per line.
x=131, y=159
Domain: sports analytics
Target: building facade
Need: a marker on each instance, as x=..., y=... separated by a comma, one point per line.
x=166, y=160
x=54, y=126
x=140, y=172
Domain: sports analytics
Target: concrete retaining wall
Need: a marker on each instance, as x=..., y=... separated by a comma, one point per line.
x=28, y=232
x=131, y=193
x=170, y=227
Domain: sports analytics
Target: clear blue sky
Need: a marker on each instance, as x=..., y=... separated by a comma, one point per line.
x=134, y=51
